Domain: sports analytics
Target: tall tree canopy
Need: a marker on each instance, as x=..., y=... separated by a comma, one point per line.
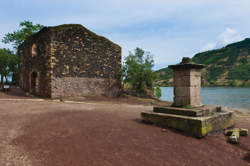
x=8, y=64
x=16, y=38
x=137, y=70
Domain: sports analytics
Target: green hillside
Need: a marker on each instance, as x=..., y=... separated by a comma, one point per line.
x=228, y=66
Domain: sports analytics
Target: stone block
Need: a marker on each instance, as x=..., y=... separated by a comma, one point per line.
x=195, y=101
x=194, y=92
x=195, y=72
x=181, y=101
x=196, y=126
x=183, y=81
x=181, y=72
x=195, y=81
x=179, y=111
x=237, y=132
x=182, y=92
x=243, y=132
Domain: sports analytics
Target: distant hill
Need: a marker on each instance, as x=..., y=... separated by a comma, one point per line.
x=228, y=66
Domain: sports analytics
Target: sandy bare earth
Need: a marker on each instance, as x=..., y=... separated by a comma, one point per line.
x=46, y=133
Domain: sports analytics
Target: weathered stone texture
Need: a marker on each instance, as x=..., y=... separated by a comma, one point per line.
x=78, y=52
x=187, y=82
x=189, y=121
x=73, y=54
x=40, y=63
x=82, y=86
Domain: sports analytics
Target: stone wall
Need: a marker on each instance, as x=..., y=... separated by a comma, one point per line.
x=77, y=52
x=70, y=60
x=38, y=62
x=80, y=55
x=83, y=86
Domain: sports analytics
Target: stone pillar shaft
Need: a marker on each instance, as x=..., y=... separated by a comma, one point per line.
x=187, y=83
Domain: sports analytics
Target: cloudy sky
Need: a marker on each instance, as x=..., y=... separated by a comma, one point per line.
x=169, y=29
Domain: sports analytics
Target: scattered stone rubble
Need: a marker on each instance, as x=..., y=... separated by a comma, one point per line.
x=234, y=135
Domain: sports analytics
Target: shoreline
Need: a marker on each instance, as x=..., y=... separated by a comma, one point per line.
x=233, y=97
x=242, y=110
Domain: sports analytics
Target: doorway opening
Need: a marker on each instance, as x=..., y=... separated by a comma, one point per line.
x=34, y=82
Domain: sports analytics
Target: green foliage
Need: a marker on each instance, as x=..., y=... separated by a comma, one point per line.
x=8, y=63
x=137, y=70
x=211, y=57
x=247, y=84
x=165, y=73
x=17, y=37
x=233, y=83
x=157, y=91
x=233, y=58
x=231, y=51
x=214, y=72
x=243, y=61
x=227, y=59
x=241, y=72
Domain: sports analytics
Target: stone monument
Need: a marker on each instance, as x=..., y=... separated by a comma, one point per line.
x=187, y=112
x=187, y=83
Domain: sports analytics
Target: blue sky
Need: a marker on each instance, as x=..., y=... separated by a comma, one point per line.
x=169, y=29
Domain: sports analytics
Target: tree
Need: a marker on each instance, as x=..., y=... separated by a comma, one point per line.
x=157, y=91
x=137, y=70
x=8, y=64
x=9, y=61
x=18, y=37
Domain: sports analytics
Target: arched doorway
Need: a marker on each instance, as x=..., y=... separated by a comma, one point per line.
x=34, y=82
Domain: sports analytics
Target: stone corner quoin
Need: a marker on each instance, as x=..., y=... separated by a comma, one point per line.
x=69, y=60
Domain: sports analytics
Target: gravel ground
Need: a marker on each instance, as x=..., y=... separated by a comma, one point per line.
x=104, y=133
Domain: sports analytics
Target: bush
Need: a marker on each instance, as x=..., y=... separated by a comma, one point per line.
x=137, y=70
x=157, y=92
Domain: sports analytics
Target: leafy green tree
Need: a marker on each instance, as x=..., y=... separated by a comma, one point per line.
x=27, y=28
x=137, y=70
x=157, y=91
x=9, y=61
x=8, y=64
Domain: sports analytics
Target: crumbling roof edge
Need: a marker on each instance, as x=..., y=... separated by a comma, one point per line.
x=51, y=29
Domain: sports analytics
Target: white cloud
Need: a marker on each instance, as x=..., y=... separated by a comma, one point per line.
x=227, y=37
x=169, y=29
x=208, y=46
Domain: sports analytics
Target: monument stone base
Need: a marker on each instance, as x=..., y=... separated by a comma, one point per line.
x=197, y=122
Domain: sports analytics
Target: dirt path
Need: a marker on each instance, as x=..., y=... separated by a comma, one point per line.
x=101, y=133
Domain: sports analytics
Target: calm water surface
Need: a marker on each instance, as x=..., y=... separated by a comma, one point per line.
x=235, y=97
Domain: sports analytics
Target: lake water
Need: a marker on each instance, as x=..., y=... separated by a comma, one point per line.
x=235, y=97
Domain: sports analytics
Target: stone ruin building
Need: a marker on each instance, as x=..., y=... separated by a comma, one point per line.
x=69, y=60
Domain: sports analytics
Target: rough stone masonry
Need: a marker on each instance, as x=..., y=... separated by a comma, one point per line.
x=187, y=83
x=69, y=60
